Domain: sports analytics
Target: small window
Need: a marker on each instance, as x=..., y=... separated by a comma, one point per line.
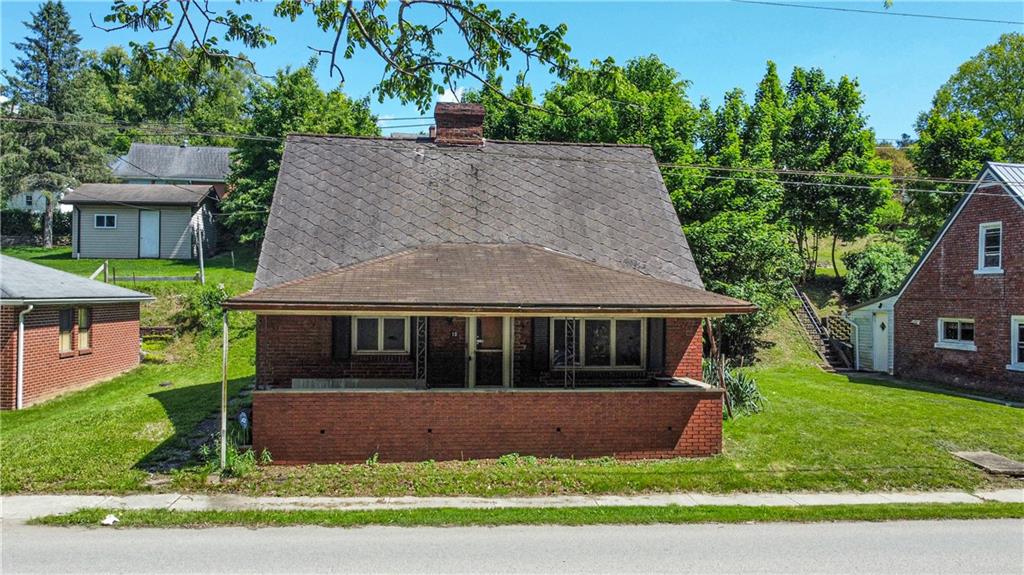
x=956, y=334
x=381, y=334
x=84, y=328
x=1017, y=343
x=67, y=320
x=599, y=343
x=28, y=200
x=990, y=247
x=106, y=221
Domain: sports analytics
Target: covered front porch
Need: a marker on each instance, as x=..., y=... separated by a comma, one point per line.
x=378, y=350
x=461, y=351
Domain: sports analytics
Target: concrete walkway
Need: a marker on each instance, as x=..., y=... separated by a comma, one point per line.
x=21, y=507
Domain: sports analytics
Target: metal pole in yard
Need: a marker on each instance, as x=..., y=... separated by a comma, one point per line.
x=202, y=267
x=106, y=266
x=224, y=394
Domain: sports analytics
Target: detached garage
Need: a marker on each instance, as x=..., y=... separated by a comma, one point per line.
x=142, y=220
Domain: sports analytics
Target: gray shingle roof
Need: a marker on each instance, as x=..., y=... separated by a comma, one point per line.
x=163, y=194
x=161, y=162
x=485, y=276
x=24, y=281
x=343, y=200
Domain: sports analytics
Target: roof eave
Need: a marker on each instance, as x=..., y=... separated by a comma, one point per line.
x=76, y=300
x=241, y=304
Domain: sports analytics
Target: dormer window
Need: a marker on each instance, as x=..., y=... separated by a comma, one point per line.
x=990, y=248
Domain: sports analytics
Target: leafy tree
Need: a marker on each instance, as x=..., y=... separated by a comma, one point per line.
x=744, y=255
x=827, y=132
x=877, y=270
x=47, y=86
x=406, y=39
x=291, y=102
x=989, y=87
x=176, y=88
x=950, y=146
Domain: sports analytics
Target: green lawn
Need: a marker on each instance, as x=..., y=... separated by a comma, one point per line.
x=448, y=517
x=819, y=431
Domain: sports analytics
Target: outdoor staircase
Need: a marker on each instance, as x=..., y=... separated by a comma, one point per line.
x=835, y=349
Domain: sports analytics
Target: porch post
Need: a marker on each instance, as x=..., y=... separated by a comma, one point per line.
x=224, y=393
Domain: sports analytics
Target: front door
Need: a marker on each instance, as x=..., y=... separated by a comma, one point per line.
x=489, y=337
x=880, y=341
x=149, y=234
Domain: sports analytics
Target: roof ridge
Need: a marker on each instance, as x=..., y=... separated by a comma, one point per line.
x=428, y=139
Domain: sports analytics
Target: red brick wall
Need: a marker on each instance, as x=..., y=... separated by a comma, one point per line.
x=350, y=426
x=946, y=286
x=684, y=348
x=47, y=372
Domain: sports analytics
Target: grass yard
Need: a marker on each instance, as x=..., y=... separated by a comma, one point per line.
x=447, y=517
x=819, y=431
x=236, y=278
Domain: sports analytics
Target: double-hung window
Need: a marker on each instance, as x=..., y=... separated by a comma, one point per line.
x=66, y=320
x=956, y=334
x=990, y=248
x=380, y=335
x=84, y=328
x=1016, y=343
x=28, y=200
x=597, y=343
x=105, y=221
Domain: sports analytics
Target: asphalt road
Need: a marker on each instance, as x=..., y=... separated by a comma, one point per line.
x=900, y=547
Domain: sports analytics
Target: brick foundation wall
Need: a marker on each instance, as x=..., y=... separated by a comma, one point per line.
x=946, y=286
x=350, y=426
x=47, y=372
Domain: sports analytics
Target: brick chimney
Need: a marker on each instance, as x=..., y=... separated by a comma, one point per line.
x=459, y=124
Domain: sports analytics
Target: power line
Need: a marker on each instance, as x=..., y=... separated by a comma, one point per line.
x=879, y=12
x=367, y=142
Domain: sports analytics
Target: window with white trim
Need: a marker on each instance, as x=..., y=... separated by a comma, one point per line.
x=990, y=247
x=1016, y=343
x=600, y=343
x=955, y=333
x=380, y=335
x=28, y=200
x=105, y=221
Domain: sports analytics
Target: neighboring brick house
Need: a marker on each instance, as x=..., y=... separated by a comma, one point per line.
x=958, y=318
x=60, y=332
x=450, y=297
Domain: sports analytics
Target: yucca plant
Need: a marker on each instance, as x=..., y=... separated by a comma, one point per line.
x=742, y=392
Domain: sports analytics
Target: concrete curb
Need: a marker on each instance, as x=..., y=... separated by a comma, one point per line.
x=22, y=507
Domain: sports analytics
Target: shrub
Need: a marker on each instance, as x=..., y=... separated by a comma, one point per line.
x=19, y=222
x=201, y=308
x=876, y=270
x=742, y=392
x=239, y=463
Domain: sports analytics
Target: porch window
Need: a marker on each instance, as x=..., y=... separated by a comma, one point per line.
x=380, y=334
x=84, y=328
x=66, y=320
x=1016, y=343
x=599, y=343
x=956, y=334
x=990, y=247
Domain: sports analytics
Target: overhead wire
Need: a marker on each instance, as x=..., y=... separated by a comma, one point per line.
x=880, y=12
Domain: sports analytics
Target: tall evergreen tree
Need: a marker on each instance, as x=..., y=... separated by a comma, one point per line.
x=47, y=86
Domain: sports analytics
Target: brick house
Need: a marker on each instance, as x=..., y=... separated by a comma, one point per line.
x=60, y=332
x=958, y=317
x=450, y=297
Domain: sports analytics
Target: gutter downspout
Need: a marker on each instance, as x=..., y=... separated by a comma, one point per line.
x=21, y=355
x=856, y=341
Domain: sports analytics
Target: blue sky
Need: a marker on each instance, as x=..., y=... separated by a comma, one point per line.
x=715, y=45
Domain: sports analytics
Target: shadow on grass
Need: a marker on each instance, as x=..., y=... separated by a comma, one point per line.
x=193, y=412
x=882, y=380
